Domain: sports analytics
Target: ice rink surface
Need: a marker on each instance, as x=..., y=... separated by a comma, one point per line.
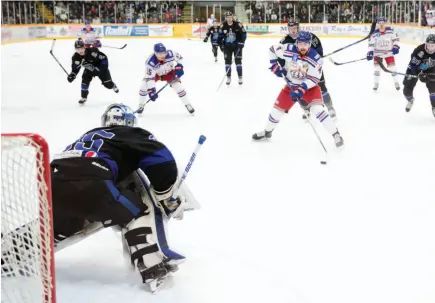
x=276, y=226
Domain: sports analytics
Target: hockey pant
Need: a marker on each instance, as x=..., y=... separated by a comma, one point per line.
x=214, y=49
x=391, y=65
x=174, y=82
x=311, y=100
x=229, y=51
x=409, y=84
x=104, y=75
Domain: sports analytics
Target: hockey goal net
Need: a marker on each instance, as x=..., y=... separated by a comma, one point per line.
x=27, y=246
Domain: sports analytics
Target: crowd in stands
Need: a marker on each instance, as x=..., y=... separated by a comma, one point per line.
x=25, y=12
x=22, y=12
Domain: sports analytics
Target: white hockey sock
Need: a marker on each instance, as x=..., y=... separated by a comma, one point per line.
x=179, y=89
x=322, y=115
x=274, y=117
x=377, y=74
x=143, y=92
x=392, y=68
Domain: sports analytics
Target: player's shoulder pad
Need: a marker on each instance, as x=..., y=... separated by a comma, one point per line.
x=151, y=60
x=313, y=54
x=389, y=28
x=169, y=54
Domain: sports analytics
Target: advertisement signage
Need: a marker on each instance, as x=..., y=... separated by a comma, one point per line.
x=6, y=34
x=257, y=29
x=57, y=31
x=37, y=32
x=140, y=31
x=117, y=31
x=199, y=30
x=160, y=30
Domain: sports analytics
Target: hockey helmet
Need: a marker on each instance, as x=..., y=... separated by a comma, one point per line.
x=87, y=22
x=304, y=36
x=79, y=44
x=293, y=28
x=229, y=16
x=381, y=19
x=160, y=51
x=118, y=114
x=430, y=43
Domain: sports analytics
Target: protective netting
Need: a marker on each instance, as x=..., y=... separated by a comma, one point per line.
x=26, y=226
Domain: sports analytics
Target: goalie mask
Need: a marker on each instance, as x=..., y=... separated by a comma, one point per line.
x=118, y=114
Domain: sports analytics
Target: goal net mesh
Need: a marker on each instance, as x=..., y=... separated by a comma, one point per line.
x=27, y=273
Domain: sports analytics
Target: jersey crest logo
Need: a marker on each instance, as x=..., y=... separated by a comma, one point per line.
x=420, y=54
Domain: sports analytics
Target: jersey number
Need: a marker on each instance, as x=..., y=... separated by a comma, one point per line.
x=89, y=142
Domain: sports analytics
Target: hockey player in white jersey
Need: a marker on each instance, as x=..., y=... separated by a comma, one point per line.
x=383, y=44
x=210, y=21
x=163, y=65
x=90, y=36
x=302, y=72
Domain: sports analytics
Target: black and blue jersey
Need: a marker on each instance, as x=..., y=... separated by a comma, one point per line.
x=231, y=34
x=113, y=153
x=213, y=33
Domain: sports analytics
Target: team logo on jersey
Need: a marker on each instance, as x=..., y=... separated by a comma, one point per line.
x=420, y=54
x=152, y=138
x=77, y=62
x=90, y=154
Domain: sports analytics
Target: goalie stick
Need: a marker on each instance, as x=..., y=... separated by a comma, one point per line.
x=372, y=30
x=430, y=76
x=54, y=57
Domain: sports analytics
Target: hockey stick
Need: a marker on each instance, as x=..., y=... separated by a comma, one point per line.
x=318, y=138
x=223, y=79
x=201, y=141
x=430, y=76
x=51, y=53
x=142, y=106
x=107, y=46
x=342, y=63
x=372, y=30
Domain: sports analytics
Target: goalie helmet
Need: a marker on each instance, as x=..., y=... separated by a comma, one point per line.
x=118, y=114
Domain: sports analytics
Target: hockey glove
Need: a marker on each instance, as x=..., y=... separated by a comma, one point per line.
x=205, y=39
x=422, y=76
x=297, y=93
x=277, y=69
x=71, y=77
x=370, y=56
x=396, y=49
x=179, y=70
x=152, y=94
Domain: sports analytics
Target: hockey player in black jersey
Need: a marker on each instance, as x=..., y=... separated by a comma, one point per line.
x=422, y=63
x=293, y=30
x=213, y=34
x=95, y=63
x=232, y=36
x=95, y=179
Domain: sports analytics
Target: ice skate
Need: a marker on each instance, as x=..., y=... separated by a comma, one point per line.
x=306, y=115
x=240, y=80
x=263, y=135
x=338, y=139
x=115, y=89
x=215, y=59
x=140, y=110
x=397, y=85
x=82, y=101
x=433, y=111
x=228, y=80
x=376, y=86
x=409, y=105
x=190, y=109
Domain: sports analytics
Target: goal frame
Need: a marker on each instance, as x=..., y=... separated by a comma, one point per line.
x=43, y=162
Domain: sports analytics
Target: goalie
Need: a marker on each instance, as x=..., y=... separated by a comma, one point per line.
x=99, y=181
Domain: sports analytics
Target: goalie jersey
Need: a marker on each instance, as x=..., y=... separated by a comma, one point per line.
x=382, y=43
x=301, y=70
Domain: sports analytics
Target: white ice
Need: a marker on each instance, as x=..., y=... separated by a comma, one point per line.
x=276, y=226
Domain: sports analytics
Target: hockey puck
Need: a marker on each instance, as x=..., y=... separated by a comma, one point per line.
x=323, y=162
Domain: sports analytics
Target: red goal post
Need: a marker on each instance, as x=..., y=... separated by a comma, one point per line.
x=27, y=267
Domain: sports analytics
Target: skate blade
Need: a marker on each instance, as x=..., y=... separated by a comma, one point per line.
x=159, y=284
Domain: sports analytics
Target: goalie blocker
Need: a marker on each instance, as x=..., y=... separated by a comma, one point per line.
x=94, y=181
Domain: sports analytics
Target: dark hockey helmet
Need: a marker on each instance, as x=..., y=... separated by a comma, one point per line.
x=79, y=44
x=293, y=28
x=229, y=16
x=430, y=44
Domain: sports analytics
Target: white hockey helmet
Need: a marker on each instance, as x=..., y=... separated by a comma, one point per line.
x=118, y=114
